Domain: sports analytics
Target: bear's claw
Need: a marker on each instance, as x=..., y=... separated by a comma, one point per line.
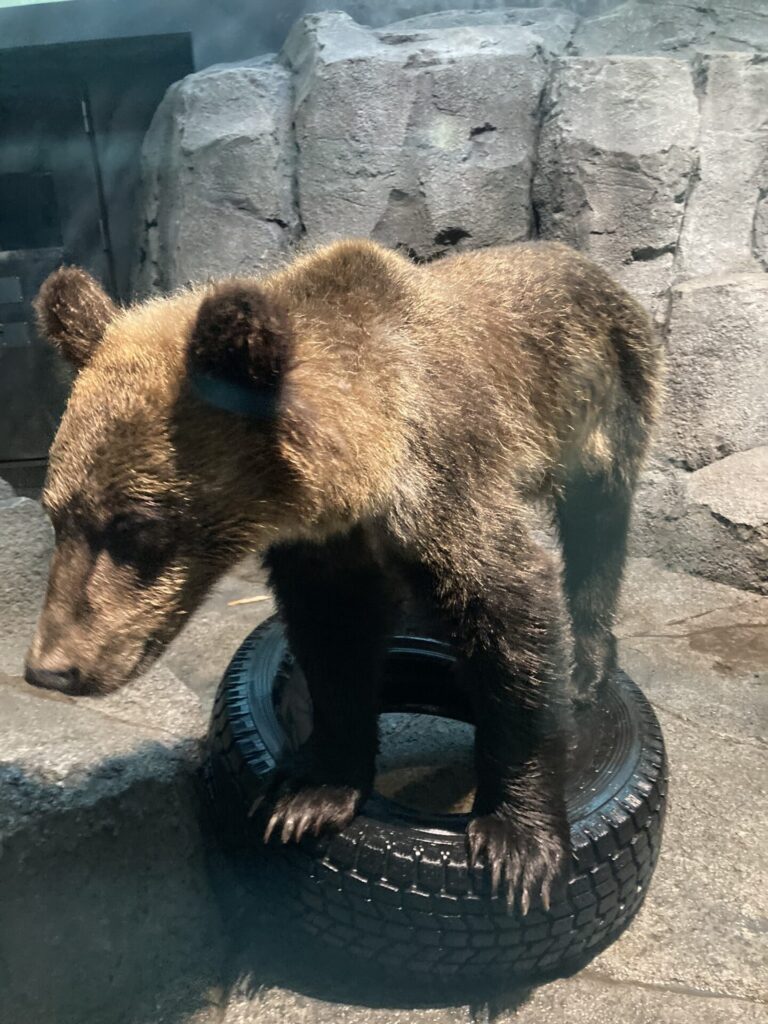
x=312, y=809
x=526, y=860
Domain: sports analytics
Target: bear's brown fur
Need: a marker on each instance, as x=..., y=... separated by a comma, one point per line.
x=363, y=422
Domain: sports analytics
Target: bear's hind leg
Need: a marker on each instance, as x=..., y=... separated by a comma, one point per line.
x=593, y=518
x=337, y=609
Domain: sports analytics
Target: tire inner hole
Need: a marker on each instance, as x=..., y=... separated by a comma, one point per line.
x=426, y=739
x=426, y=762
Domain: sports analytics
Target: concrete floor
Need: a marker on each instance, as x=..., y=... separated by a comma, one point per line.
x=99, y=840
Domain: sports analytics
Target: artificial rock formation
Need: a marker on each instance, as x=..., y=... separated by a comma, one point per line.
x=218, y=177
x=638, y=135
x=613, y=174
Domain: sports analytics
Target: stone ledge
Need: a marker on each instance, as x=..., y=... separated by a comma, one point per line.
x=103, y=886
x=734, y=489
x=552, y=26
x=66, y=754
x=712, y=522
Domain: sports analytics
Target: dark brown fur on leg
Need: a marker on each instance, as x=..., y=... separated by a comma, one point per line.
x=337, y=609
x=510, y=630
x=520, y=827
x=593, y=517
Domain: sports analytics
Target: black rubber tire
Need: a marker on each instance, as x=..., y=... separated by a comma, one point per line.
x=395, y=886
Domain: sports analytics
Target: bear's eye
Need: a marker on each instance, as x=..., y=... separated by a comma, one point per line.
x=138, y=540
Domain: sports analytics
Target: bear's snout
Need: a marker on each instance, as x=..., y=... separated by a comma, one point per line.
x=65, y=680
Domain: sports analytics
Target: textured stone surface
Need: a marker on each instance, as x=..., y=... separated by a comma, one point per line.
x=276, y=1006
x=588, y=999
x=73, y=752
x=699, y=650
x=421, y=139
x=711, y=521
x=553, y=26
x=615, y=162
x=717, y=378
x=659, y=506
x=735, y=488
x=581, y=1000
x=218, y=177
x=26, y=542
x=724, y=533
x=418, y=137
x=585, y=999
x=701, y=497
x=675, y=26
x=725, y=224
x=202, y=651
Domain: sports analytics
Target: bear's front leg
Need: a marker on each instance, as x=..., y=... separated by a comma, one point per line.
x=519, y=826
x=512, y=631
x=337, y=610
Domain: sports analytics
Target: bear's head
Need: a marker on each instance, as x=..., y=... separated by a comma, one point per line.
x=176, y=455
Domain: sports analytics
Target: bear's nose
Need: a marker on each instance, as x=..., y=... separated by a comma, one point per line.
x=65, y=680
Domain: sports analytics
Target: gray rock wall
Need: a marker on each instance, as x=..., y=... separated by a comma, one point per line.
x=725, y=225
x=632, y=135
x=428, y=133
x=218, y=178
x=616, y=162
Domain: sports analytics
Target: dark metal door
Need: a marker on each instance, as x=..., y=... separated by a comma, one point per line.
x=49, y=215
x=72, y=120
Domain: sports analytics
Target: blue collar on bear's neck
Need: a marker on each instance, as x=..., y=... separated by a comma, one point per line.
x=232, y=397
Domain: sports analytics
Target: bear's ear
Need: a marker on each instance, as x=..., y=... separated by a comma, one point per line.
x=73, y=311
x=239, y=350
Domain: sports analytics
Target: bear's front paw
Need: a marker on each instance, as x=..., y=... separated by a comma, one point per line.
x=312, y=808
x=525, y=859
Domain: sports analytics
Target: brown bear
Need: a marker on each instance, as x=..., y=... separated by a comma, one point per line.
x=367, y=425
